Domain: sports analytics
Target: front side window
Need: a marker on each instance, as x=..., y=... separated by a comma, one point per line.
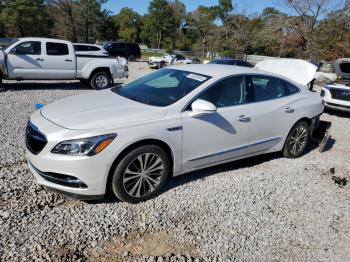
x=163, y=87
x=267, y=88
x=228, y=92
x=56, y=49
x=28, y=48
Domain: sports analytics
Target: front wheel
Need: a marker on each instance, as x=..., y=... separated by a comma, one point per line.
x=100, y=80
x=140, y=174
x=297, y=140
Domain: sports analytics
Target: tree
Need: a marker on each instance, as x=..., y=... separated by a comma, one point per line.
x=25, y=18
x=90, y=12
x=128, y=24
x=201, y=23
x=179, y=18
x=64, y=10
x=309, y=13
x=160, y=20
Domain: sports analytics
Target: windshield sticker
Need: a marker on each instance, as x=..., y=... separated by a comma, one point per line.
x=196, y=77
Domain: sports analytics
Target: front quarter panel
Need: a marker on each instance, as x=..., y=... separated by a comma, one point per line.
x=167, y=130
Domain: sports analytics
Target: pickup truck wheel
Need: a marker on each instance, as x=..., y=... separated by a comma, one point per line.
x=131, y=58
x=100, y=80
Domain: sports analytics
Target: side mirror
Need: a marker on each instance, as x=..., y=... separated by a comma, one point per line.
x=200, y=107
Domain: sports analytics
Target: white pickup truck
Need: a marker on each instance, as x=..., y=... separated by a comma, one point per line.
x=53, y=59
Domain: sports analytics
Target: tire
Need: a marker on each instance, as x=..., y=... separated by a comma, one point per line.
x=297, y=140
x=100, y=80
x=131, y=58
x=162, y=64
x=125, y=186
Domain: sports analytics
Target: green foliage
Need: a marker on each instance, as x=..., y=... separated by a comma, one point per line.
x=128, y=24
x=316, y=31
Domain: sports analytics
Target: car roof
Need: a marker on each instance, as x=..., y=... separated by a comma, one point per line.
x=228, y=59
x=215, y=70
x=86, y=44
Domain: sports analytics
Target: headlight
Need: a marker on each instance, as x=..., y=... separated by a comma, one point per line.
x=85, y=146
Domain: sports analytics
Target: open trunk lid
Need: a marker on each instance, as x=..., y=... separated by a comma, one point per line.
x=298, y=70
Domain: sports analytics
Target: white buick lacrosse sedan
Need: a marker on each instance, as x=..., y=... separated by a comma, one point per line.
x=130, y=139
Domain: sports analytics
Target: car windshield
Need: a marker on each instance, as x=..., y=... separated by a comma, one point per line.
x=7, y=43
x=222, y=62
x=162, y=88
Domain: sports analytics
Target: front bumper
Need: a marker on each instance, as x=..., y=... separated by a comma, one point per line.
x=334, y=104
x=81, y=176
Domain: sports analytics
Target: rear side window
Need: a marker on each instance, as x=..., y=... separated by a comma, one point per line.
x=81, y=48
x=94, y=48
x=228, y=92
x=289, y=88
x=28, y=48
x=56, y=49
x=267, y=88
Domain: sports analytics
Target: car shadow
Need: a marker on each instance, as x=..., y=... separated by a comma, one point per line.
x=69, y=85
x=19, y=86
x=200, y=174
x=230, y=166
x=207, y=172
x=336, y=113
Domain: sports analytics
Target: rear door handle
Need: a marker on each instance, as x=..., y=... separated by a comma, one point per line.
x=68, y=60
x=289, y=110
x=39, y=59
x=244, y=118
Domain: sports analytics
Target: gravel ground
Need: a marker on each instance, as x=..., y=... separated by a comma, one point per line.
x=265, y=208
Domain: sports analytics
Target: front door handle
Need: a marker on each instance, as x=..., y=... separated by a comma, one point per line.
x=68, y=60
x=289, y=110
x=39, y=59
x=244, y=118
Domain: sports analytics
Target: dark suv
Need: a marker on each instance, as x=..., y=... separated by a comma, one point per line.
x=130, y=51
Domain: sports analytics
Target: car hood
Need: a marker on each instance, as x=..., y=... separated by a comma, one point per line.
x=103, y=109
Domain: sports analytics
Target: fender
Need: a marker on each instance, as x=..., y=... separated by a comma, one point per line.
x=102, y=63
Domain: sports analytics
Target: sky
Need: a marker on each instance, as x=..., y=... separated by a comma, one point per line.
x=250, y=7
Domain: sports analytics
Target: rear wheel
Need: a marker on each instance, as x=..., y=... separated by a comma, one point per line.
x=297, y=140
x=101, y=80
x=131, y=58
x=141, y=174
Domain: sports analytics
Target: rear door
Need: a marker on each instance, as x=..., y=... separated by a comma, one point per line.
x=273, y=111
x=25, y=60
x=59, y=60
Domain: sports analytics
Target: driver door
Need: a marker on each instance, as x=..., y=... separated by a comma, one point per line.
x=222, y=135
x=25, y=60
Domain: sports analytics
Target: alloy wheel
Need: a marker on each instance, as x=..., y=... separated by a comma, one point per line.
x=298, y=140
x=143, y=175
x=101, y=81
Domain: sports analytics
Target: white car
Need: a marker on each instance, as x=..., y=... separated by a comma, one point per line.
x=156, y=62
x=89, y=49
x=130, y=139
x=337, y=94
x=53, y=59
